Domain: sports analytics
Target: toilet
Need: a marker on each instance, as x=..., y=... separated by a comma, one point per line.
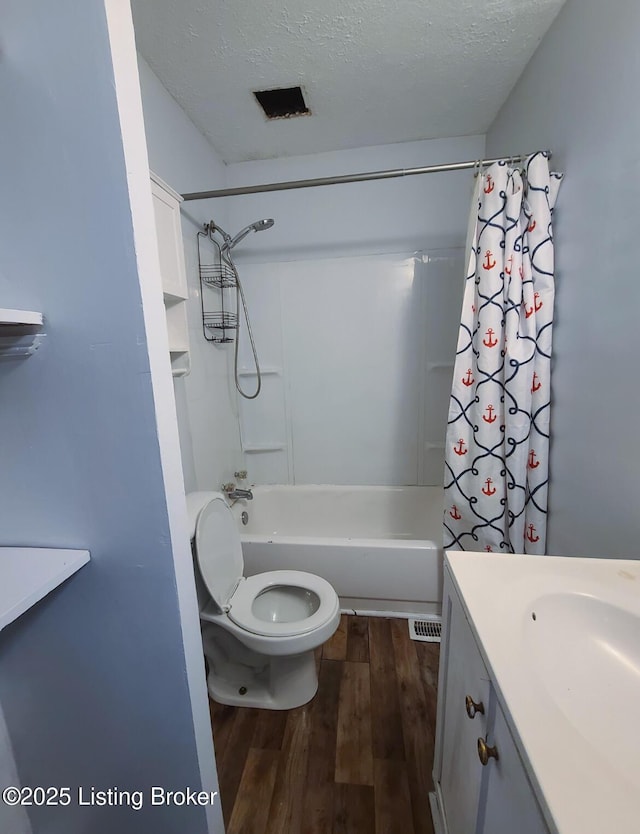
x=259, y=632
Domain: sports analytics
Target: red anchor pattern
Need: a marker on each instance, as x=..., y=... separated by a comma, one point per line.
x=468, y=380
x=487, y=489
x=531, y=533
x=537, y=305
x=488, y=451
x=489, y=261
x=491, y=418
x=489, y=341
x=459, y=448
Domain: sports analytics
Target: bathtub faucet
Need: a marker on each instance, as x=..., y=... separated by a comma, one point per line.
x=233, y=493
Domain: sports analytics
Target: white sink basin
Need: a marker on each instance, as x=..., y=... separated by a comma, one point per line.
x=570, y=677
x=586, y=652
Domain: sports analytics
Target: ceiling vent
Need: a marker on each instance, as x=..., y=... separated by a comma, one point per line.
x=283, y=103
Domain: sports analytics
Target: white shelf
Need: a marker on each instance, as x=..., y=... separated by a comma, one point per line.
x=20, y=317
x=264, y=371
x=180, y=362
x=27, y=574
x=175, y=296
x=252, y=448
x=19, y=333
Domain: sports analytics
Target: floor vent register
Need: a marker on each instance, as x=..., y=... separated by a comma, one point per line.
x=426, y=631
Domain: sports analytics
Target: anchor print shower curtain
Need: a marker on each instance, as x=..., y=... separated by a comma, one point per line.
x=496, y=457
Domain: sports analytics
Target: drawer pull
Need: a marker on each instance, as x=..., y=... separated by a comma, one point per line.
x=472, y=707
x=485, y=752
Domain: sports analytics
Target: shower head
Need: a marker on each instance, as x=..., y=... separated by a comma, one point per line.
x=258, y=226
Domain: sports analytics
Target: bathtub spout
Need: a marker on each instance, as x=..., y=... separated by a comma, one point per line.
x=236, y=493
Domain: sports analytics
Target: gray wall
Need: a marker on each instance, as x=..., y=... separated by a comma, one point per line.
x=579, y=97
x=13, y=818
x=92, y=680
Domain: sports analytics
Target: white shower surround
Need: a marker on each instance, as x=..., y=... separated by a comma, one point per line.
x=358, y=354
x=380, y=547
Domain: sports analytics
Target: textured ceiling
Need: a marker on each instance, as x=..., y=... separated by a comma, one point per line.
x=373, y=71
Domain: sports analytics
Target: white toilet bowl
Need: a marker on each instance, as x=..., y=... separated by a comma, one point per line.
x=259, y=633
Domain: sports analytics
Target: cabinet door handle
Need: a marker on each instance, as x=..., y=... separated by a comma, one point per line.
x=473, y=708
x=485, y=752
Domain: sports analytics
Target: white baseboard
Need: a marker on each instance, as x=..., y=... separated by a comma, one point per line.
x=389, y=608
x=438, y=825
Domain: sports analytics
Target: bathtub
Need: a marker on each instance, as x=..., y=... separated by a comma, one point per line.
x=380, y=547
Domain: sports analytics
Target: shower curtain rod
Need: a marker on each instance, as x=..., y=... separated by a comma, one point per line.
x=364, y=177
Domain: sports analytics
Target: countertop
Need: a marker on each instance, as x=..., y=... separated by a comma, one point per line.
x=561, y=639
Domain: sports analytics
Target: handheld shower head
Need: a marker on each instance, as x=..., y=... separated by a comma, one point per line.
x=258, y=226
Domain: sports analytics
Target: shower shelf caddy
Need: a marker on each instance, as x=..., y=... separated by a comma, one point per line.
x=217, y=325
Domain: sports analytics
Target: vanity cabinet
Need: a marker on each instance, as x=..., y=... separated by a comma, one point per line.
x=166, y=208
x=508, y=802
x=481, y=785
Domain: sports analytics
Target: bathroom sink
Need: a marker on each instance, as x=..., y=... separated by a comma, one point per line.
x=586, y=654
x=561, y=638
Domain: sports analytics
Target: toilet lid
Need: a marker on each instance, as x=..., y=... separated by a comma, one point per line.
x=241, y=611
x=218, y=550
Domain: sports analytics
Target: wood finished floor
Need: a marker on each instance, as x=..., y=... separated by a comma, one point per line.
x=356, y=760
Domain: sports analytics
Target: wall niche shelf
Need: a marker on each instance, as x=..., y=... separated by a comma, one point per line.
x=166, y=208
x=27, y=574
x=20, y=333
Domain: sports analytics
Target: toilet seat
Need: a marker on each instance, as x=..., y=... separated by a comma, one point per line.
x=219, y=557
x=218, y=548
x=259, y=633
x=241, y=603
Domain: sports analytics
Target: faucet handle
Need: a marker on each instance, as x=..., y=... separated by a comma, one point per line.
x=228, y=488
x=241, y=475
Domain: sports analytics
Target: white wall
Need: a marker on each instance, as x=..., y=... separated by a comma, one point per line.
x=206, y=399
x=400, y=215
x=96, y=681
x=357, y=327
x=578, y=97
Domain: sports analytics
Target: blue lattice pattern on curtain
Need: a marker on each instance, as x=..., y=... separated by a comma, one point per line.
x=496, y=461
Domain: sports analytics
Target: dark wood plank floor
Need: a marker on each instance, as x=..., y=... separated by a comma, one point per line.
x=356, y=760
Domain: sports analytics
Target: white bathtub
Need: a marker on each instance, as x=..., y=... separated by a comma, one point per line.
x=380, y=547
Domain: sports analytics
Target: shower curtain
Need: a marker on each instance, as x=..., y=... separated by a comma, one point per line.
x=496, y=456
